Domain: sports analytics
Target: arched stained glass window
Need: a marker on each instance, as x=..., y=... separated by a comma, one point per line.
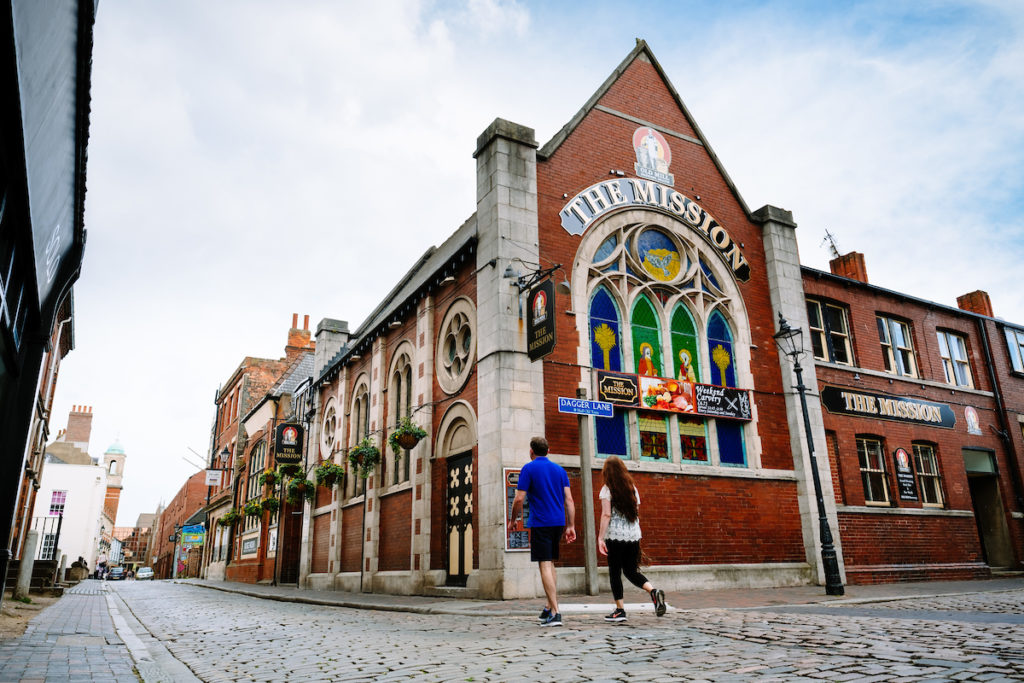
x=605, y=332
x=720, y=351
x=723, y=373
x=685, y=357
x=606, y=354
x=646, y=340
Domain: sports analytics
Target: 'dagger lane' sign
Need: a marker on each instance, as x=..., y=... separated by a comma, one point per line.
x=880, y=406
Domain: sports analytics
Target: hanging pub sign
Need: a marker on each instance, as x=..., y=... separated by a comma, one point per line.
x=540, y=321
x=880, y=406
x=288, y=444
x=904, y=475
x=674, y=396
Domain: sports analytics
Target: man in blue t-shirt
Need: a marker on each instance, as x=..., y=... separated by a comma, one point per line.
x=552, y=513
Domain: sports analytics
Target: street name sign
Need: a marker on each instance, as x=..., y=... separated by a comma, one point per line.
x=579, y=406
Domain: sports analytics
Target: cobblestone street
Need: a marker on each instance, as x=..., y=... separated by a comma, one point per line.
x=229, y=637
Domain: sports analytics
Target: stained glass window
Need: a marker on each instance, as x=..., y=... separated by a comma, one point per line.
x=684, y=346
x=646, y=340
x=653, y=437
x=605, y=332
x=606, y=354
x=723, y=373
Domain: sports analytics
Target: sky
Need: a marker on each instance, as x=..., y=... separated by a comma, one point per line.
x=251, y=160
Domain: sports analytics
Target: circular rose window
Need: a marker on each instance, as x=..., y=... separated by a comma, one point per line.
x=456, y=348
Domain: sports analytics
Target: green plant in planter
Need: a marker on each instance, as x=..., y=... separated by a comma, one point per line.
x=300, y=488
x=328, y=474
x=406, y=435
x=271, y=505
x=253, y=509
x=268, y=478
x=229, y=517
x=289, y=470
x=364, y=456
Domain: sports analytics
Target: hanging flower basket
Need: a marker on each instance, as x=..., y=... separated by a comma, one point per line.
x=406, y=435
x=253, y=509
x=271, y=505
x=364, y=456
x=268, y=478
x=328, y=474
x=229, y=517
x=299, y=489
x=289, y=470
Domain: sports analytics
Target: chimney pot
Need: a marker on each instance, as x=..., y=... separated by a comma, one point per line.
x=295, y=320
x=305, y=323
x=850, y=265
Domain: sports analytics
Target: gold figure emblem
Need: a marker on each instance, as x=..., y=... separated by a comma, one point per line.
x=722, y=359
x=605, y=338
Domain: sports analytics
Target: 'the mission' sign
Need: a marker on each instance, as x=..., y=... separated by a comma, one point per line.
x=897, y=408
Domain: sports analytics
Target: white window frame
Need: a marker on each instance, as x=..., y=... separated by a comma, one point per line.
x=955, y=362
x=827, y=336
x=869, y=469
x=897, y=357
x=930, y=474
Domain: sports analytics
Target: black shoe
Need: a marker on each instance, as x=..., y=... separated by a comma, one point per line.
x=658, y=598
x=545, y=614
x=618, y=615
x=553, y=620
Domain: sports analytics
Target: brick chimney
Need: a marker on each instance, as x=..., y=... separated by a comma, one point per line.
x=976, y=302
x=79, y=427
x=850, y=265
x=298, y=340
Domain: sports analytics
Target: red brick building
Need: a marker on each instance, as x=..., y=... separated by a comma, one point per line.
x=189, y=500
x=674, y=286
x=923, y=416
x=242, y=456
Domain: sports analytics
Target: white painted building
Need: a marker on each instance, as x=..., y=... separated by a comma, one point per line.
x=77, y=491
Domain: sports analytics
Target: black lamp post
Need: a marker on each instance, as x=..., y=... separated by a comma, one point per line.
x=790, y=342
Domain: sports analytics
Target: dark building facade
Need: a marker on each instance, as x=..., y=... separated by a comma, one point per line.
x=45, y=70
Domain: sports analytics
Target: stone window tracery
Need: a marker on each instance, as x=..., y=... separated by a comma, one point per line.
x=456, y=347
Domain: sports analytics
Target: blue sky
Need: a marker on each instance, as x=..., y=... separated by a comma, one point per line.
x=220, y=128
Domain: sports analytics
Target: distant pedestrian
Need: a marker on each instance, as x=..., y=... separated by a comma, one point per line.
x=620, y=535
x=545, y=485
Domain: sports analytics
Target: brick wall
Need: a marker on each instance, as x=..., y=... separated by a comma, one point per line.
x=321, y=543
x=395, y=531
x=351, y=538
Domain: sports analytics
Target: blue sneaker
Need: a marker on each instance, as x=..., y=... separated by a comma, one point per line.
x=545, y=615
x=553, y=620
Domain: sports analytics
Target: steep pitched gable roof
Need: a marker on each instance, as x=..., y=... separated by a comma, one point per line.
x=641, y=48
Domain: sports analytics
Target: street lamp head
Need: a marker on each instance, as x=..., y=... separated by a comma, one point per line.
x=789, y=339
x=225, y=454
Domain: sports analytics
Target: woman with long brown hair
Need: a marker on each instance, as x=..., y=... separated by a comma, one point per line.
x=620, y=535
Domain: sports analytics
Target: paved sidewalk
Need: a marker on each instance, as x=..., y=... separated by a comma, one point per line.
x=731, y=598
x=73, y=639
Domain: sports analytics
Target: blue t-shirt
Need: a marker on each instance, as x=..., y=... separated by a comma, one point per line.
x=544, y=482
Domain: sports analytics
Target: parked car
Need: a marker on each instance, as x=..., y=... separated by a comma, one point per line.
x=115, y=574
x=144, y=573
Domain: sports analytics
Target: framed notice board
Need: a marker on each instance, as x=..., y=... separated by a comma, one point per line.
x=519, y=537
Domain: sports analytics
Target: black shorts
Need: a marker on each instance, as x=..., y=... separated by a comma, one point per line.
x=544, y=542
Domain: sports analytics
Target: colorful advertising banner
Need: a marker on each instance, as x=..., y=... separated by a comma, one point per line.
x=519, y=537
x=674, y=396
